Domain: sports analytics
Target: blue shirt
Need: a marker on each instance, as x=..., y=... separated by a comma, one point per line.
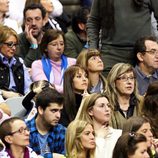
x=27, y=79
x=143, y=80
x=56, y=138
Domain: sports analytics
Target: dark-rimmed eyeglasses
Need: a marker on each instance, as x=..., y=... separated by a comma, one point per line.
x=126, y=78
x=11, y=44
x=152, y=51
x=21, y=130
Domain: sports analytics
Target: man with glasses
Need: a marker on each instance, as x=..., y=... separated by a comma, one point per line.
x=146, y=69
x=14, y=77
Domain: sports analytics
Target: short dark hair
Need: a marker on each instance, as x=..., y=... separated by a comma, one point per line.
x=80, y=16
x=34, y=6
x=140, y=45
x=48, y=96
x=49, y=36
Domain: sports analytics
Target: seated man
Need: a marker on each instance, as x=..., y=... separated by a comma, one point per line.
x=29, y=40
x=146, y=69
x=76, y=39
x=14, y=77
x=46, y=135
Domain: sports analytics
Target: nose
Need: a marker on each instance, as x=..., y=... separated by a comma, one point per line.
x=146, y=155
x=92, y=136
x=58, y=114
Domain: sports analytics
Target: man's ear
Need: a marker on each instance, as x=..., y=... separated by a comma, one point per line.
x=8, y=139
x=140, y=56
x=40, y=110
x=90, y=111
x=81, y=26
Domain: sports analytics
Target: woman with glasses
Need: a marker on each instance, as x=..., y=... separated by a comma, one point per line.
x=15, y=136
x=124, y=98
x=53, y=63
x=131, y=145
x=14, y=77
x=96, y=109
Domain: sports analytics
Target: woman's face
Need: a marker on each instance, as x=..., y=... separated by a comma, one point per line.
x=4, y=6
x=48, y=5
x=101, y=111
x=141, y=151
x=125, y=83
x=8, y=48
x=19, y=134
x=55, y=48
x=87, y=137
x=80, y=81
x=95, y=64
x=145, y=129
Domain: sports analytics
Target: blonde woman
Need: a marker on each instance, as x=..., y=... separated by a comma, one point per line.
x=96, y=109
x=80, y=140
x=123, y=94
x=91, y=60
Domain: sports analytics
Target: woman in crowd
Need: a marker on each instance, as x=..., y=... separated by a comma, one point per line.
x=141, y=125
x=91, y=60
x=96, y=109
x=15, y=136
x=123, y=94
x=53, y=63
x=35, y=88
x=75, y=87
x=80, y=140
x=150, y=106
x=14, y=77
x=131, y=145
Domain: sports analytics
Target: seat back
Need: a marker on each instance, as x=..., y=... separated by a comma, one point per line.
x=16, y=107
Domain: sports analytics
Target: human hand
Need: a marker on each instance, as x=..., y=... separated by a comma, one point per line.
x=29, y=35
x=103, y=132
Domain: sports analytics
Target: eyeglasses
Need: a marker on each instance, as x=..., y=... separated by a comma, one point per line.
x=21, y=130
x=125, y=78
x=152, y=51
x=11, y=44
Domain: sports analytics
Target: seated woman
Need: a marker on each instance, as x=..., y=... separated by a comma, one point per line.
x=123, y=92
x=131, y=145
x=150, y=107
x=15, y=136
x=14, y=77
x=91, y=60
x=80, y=140
x=141, y=125
x=96, y=109
x=75, y=86
x=53, y=63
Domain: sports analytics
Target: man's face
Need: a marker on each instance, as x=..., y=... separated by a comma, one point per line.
x=51, y=114
x=150, y=58
x=34, y=21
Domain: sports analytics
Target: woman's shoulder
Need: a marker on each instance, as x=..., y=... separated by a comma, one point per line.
x=71, y=61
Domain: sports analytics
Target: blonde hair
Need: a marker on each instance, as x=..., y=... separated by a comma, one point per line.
x=73, y=142
x=5, y=33
x=115, y=72
x=87, y=104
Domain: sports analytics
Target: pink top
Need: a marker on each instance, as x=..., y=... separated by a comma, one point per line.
x=56, y=77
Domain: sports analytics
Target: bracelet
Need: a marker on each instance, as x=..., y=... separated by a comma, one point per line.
x=34, y=46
